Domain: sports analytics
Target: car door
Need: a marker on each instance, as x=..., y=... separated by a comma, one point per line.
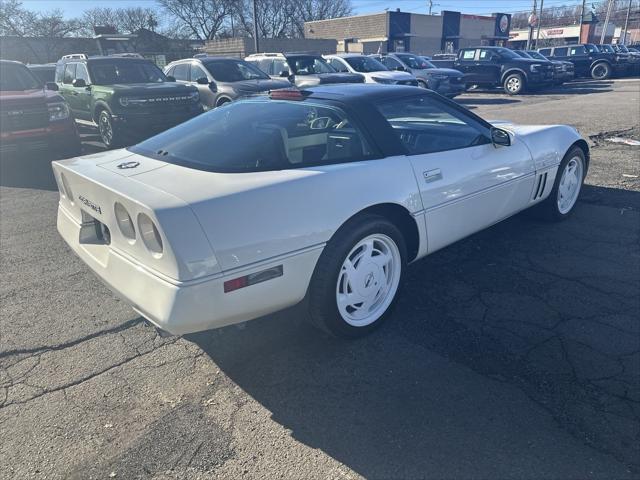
x=207, y=93
x=488, y=67
x=82, y=95
x=469, y=65
x=580, y=58
x=466, y=183
x=66, y=86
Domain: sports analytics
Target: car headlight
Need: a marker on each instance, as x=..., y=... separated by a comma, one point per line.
x=58, y=111
x=535, y=67
x=386, y=81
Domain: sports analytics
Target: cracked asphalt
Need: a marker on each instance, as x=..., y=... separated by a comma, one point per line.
x=513, y=354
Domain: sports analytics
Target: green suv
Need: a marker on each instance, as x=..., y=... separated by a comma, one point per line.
x=126, y=97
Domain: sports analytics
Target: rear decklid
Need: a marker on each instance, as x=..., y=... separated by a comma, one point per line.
x=92, y=186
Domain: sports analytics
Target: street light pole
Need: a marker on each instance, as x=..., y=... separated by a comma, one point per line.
x=626, y=24
x=539, y=22
x=606, y=22
x=531, y=26
x=256, y=44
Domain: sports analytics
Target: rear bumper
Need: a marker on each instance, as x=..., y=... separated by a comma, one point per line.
x=187, y=307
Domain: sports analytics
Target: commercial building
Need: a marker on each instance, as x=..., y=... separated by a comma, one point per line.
x=397, y=31
x=563, y=35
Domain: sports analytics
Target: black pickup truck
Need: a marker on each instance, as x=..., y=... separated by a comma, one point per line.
x=500, y=67
x=588, y=60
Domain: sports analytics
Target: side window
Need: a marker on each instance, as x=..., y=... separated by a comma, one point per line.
x=60, y=72
x=278, y=66
x=181, y=72
x=486, y=55
x=69, y=73
x=170, y=72
x=425, y=125
x=545, y=51
x=391, y=63
x=81, y=73
x=338, y=65
x=468, y=55
x=264, y=65
x=579, y=50
x=560, y=52
x=197, y=72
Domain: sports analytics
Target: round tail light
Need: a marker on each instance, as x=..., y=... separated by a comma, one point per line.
x=150, y=234
x=125, y=224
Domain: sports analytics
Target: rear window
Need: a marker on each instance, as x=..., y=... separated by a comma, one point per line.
x=260, y=135
x=309, y=65
x=16, y=77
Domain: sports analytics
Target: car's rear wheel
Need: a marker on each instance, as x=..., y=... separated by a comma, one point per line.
x=601, y=71
x=357, y=278
x=109, y=133
x=514, y=84
x=567, y=186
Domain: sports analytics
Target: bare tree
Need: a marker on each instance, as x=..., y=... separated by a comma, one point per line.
x=125, y=20
x=203, y=19
x=309, y=10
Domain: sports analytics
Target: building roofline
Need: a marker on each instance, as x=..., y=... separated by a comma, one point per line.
x=350, y=16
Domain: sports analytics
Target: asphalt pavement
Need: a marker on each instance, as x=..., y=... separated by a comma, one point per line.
x=513, y=354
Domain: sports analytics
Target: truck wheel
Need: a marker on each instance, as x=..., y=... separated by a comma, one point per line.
x=514, y=84
x=108, y=131
x=601, y=71
x=357, y=278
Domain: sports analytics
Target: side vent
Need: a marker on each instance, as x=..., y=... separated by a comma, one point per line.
x=540, y=186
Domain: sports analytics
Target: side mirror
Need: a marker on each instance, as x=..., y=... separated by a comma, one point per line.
x=171, y=78
x=202, y=81
x=51, y=86
x=500, y=137
x=212, y=86
x=400, y=69
x=79, y=83
x=284, y=73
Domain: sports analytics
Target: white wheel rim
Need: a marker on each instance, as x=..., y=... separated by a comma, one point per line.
x=368, y=280
x=513, y=84
x=570, y=185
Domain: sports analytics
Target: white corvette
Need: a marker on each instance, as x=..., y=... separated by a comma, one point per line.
x=324, y=195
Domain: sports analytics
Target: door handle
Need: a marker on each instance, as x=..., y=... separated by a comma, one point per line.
x=432, y=175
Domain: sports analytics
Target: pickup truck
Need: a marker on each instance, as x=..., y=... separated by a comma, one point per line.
x=588, y=60
x=500, y=67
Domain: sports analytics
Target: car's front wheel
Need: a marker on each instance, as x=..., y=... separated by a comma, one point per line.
x=357, y=277
x=109, y=134
x=567, y=186
x=601, y=71
x=514, y=84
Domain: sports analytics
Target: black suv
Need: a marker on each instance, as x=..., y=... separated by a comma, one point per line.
x=587, y=60
x=499, y=66
x=125, y=97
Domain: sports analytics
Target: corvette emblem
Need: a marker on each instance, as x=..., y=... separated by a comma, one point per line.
x=125, y=165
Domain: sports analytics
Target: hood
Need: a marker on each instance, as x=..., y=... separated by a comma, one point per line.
x=151, y=89
x=391, y=75
x=36, y=96
x=449, y=72
x=254, y=86
x=324, y=78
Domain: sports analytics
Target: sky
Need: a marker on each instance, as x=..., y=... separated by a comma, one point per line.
x=74, y=8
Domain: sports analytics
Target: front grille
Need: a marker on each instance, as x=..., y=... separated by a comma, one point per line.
x=26, y=118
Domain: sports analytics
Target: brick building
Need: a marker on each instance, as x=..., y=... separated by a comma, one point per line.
x=402, y=31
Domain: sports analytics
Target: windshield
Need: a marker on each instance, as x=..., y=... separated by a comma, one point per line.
x=522, y=53
x=44, y=74
x=109, y=73
x=309, y=65
x=428, y=62
x=234, y=71
x=365, y=64
x=591, y=48
x=414, y=61
x=505, y=52
x=536, y=55
x=259, y=135
x=623, y=48
x=16, y=77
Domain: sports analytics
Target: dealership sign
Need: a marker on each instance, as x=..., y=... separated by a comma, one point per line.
x=503, y=22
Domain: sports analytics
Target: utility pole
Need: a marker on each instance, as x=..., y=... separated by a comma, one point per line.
x=255, y=28
x=584, y=5
x=606, y=22
x=539, y=22
x=626, y=24
x=532, y=19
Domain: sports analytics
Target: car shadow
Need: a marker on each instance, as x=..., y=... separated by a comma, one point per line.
x=478, y=356
x=471, y=101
